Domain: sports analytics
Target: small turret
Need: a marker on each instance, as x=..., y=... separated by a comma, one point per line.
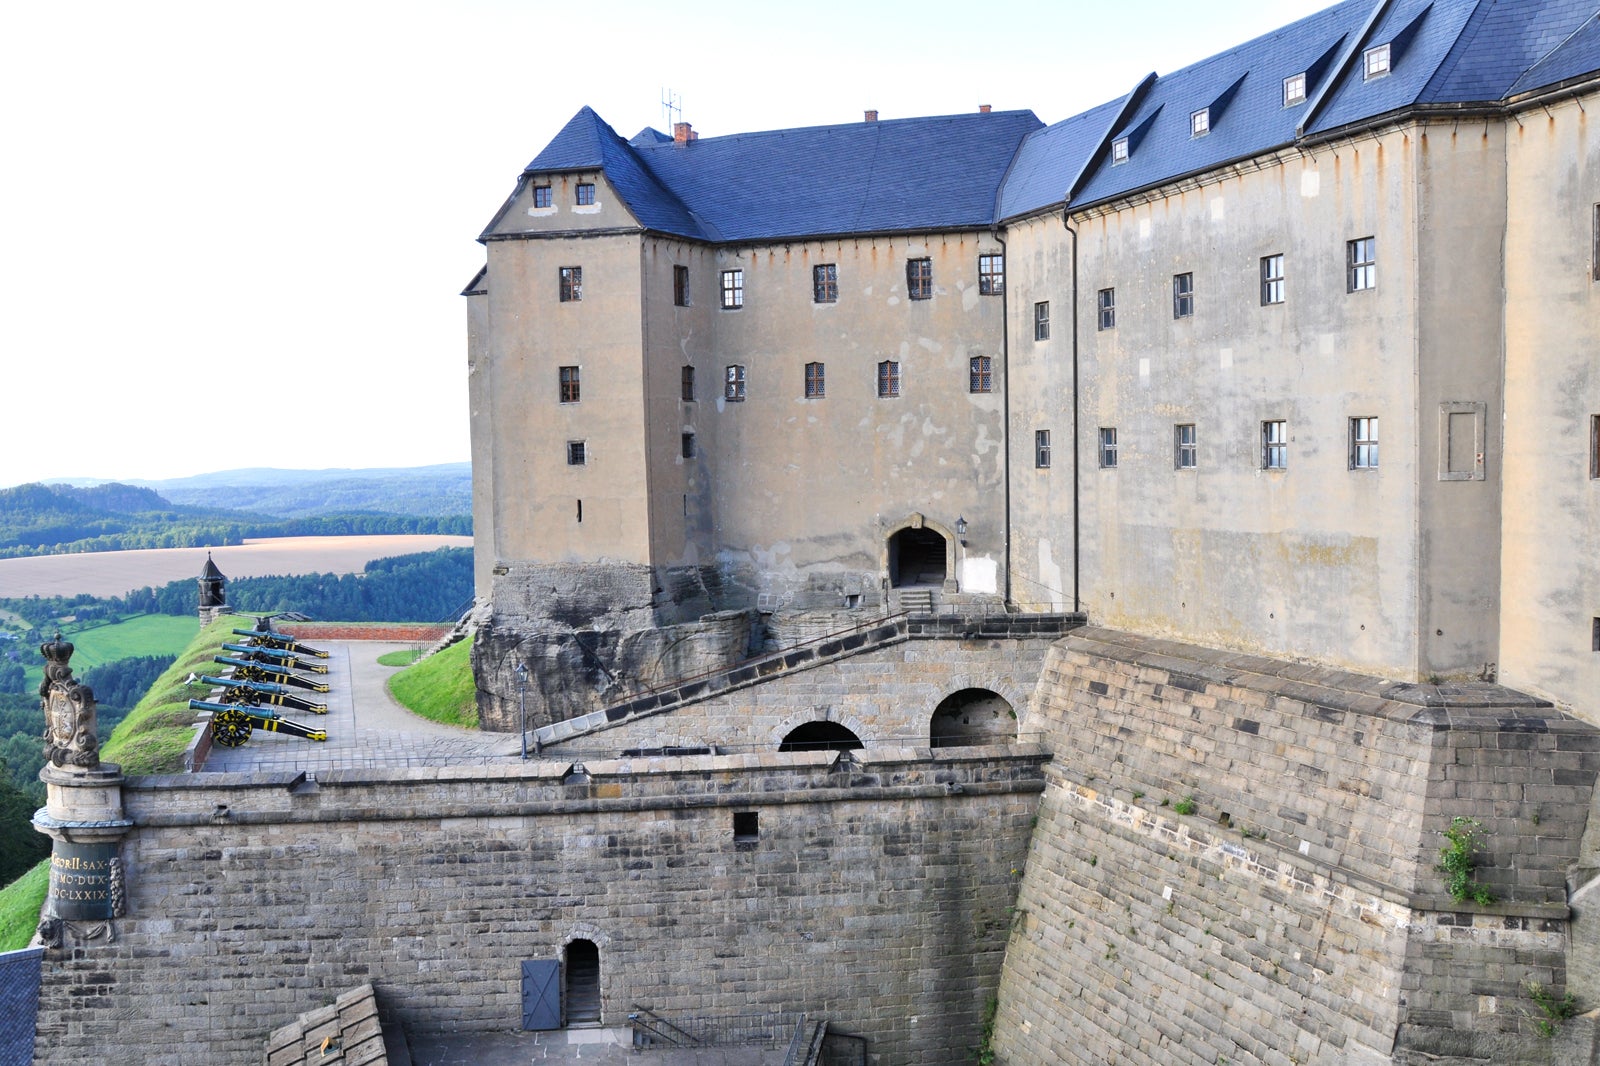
x=213, y=597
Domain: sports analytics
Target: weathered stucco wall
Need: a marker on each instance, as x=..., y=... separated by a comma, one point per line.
x=1294, y=915
x=877, y=894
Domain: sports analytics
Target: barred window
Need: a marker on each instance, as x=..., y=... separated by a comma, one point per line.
x=888, y=379
x=577, y=455
x=981, y=374
x=816, y=382
x=688, y=383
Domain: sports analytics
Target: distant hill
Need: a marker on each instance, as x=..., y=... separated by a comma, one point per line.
x=435, y=491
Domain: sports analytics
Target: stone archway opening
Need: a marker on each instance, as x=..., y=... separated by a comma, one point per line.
x=583, y=983
x=820, y=736
x=918, y=558
x=972, y=716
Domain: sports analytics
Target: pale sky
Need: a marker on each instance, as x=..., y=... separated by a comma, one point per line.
x=254, y=219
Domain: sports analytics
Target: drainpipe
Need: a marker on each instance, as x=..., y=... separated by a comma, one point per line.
x=1077, y=429
x=1005, y=397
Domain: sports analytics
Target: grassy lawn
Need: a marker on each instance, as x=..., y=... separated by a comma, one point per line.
x=152, y=738
x=403, y=657
x=19, y=907
x=441, y=687
x=100, y=643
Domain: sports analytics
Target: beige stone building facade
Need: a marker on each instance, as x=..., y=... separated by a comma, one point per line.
x=1290, y=352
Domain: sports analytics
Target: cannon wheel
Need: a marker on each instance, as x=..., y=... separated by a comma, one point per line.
x=230, y=728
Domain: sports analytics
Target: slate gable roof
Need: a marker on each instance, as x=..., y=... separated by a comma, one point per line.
x=971, y=171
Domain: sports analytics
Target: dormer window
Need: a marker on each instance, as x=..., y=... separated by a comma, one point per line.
x=585, y=194
x=1200, y=122
x=1119, y=151
x=541, y=196
x=1376, y=61
x=1294, y=89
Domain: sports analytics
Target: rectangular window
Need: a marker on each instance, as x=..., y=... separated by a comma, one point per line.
x=541, y=196
x=1462, y=425
x=1186, y=450
x=687, y=450
x=1041, y=321
x=746, y=827
x=919, y=278
x=1106, y=305
x=1182, y=295
x=733, y=384
x=688, y=383
x=991, y=275
x=1275, y=445
x=1200, y=122
x=1119, y=151
x=1376, y=61
x=576, y=455
x=1108, y=448
x=1041, y=448
x=1361, y=259
x=888, y=379
x=981, y=374
x=1271, y=279
x=1596, y=263
x=585, y=194
x=732, y=290
x=825, y=283
x=816, y=383
x=569, y=384
x=1294, y=90
x=1364, y=443
x=680, y=286
x=1594, y=446
x=571, y=284
x=1594, y=641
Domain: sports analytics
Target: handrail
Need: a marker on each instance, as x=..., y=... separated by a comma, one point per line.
x=681, y=1039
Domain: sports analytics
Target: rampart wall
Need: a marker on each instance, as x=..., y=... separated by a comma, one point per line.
x=876, y=891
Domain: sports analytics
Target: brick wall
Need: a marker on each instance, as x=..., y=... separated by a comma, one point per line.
x=1295, y=915
x=402, y=632
x=877, y=894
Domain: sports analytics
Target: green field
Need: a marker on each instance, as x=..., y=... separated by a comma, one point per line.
x=440, y=687
x=100, y=642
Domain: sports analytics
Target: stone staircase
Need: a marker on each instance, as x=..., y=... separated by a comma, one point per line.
x=916, y=601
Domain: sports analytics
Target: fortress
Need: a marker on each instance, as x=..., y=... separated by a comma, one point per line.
x=1046, y=587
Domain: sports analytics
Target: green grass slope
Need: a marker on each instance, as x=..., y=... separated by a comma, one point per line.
x=152, y=738
x=440, y=687
x=19, y=907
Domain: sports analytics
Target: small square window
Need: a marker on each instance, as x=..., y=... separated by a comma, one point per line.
x=1106, y=307
x=1376, y=61
x=688, y=383
x=888, y=379
x=1182, y=295
x=733, y=384
x=919, y=279
x=577, y=455
x=1364, y=443
x=746, y=827
x=569, y=377
x=732, y=290
x=585, y=194
x=1294, y=90
x=1361, y=260
x=687, y=446
x=1041, y=448
x=980, y=369
x=1119, y=151
x=825, y=283
x=1200, y=122
x=1041, y=320
x=680, y=286
x=1275, y=445
x=1187, y=450
x=991, y=275
x=816, y=382
x=1108, y=448
x=541, y=196
x=1271, y=280
x=571, y=284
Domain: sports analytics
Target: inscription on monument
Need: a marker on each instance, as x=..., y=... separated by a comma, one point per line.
x=81, y=880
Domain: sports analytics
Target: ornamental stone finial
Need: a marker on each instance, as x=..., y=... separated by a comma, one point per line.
x=69, y=712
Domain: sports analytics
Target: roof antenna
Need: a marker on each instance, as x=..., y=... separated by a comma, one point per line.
x=671, y=107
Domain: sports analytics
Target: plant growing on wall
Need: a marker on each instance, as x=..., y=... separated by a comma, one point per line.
x=1459, y=858
x=1555, y=1010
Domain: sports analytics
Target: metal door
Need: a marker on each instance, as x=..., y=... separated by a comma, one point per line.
x=541, y=994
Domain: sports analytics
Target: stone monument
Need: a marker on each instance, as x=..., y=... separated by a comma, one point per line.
x=83, y=807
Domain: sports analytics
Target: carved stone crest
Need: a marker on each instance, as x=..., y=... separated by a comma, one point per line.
x=69, y=711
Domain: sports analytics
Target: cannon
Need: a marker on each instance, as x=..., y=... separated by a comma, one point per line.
x=247, y=670
x=232, y=724
x=266, y=638
x=241, y=691
x=281, y=658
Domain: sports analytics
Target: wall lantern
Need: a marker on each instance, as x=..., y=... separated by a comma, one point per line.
x=961, y=530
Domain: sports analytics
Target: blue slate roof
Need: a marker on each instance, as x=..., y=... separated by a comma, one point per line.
x=19, y=1003
x=969, y=171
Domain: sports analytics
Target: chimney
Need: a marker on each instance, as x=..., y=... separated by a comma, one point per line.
x=872, y=116
x=983, y=109
x=683, y=133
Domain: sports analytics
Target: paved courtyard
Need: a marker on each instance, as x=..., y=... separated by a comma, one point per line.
x=572, y=1045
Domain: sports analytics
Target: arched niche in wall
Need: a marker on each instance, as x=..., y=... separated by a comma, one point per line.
x=972, y=716
x=919, y=553
x=820, y=736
